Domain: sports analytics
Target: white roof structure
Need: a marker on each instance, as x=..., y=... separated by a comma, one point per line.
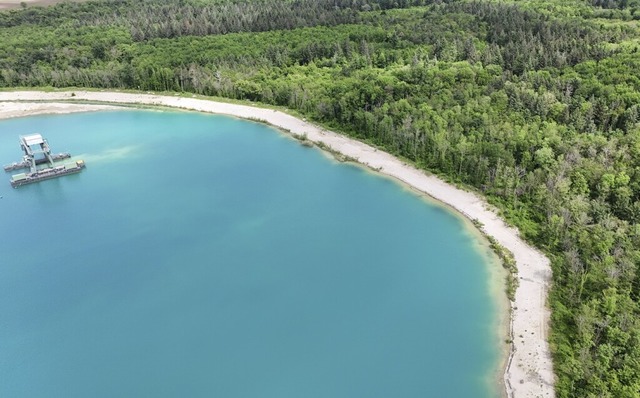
x=33, y=139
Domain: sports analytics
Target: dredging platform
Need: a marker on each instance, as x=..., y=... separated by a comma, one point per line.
x=36, y=152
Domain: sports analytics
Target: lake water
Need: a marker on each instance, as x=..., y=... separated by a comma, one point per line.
x=206, y=256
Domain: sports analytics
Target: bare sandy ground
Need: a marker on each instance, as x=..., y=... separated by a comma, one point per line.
x=17, y=3
x=529, y=369
x=18, y=109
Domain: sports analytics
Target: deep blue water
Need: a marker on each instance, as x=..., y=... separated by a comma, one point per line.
x=205, y=256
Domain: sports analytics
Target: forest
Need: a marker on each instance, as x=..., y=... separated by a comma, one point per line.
x=534, y=103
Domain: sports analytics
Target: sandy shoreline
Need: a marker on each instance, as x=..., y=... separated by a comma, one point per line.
x=529, y=370
x=19, y=109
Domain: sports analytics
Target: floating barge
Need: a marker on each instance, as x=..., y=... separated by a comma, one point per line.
x=36, y=152
x=26, y=163
x=46, y=174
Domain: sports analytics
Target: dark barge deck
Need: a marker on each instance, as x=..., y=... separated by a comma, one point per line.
x=46, y=174
x=26, y=163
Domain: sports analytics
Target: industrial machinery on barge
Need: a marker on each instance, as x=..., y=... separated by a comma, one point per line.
x=37, y=152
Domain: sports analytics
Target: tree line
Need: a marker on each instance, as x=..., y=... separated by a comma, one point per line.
x=540, y=112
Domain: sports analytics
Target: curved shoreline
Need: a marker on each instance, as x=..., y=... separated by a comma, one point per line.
x=529, y=369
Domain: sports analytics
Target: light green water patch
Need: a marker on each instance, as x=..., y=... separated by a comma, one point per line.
x=112, y=154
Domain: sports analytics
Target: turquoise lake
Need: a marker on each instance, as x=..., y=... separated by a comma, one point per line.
x=206, y=256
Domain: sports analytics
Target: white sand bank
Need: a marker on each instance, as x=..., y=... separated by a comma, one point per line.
x=19, y=109
x=529, y=371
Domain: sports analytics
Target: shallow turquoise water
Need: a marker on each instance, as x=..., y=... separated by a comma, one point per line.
x=205, y=256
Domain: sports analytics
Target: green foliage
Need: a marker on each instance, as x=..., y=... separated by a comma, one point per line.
x=535, y=103
x=509, y=263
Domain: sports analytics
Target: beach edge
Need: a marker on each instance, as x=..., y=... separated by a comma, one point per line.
x=528, y=369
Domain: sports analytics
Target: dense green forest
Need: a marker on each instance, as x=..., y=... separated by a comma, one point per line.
x=536, y=103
